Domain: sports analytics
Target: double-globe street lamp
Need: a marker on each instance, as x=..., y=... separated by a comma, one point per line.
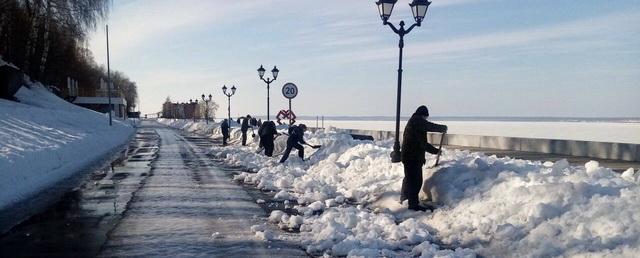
x=275, y=72
x=229, y=94
x=206, y=107
x=419, y=9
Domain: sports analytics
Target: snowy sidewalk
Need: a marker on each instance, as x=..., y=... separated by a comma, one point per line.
x=188, y=208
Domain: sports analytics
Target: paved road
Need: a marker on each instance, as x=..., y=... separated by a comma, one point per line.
x=187, y=207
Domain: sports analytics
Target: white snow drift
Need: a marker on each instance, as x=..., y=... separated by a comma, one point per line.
x=348, y=195
x=44, y=139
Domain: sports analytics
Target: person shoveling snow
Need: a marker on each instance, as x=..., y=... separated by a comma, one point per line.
x=244, y=128
x=267, y=134
x=296, y=137
x=414, y=146
x=224, y=127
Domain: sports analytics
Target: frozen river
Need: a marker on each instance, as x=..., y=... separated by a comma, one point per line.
x=622, y=132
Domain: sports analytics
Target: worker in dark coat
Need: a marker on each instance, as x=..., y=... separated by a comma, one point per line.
x=296, y=137
x=414, y=146
x=225, y=131
x=244, y=127
x=267, y=134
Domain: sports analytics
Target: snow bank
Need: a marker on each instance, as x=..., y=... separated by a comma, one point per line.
x=44, y=139
x=348, y=193
x=523, y=208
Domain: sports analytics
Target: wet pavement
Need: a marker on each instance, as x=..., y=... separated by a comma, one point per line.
x=75, y=223
x=167, y=199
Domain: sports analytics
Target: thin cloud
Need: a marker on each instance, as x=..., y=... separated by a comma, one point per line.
x=456, y=2
x=140, y=22
x=577, y=31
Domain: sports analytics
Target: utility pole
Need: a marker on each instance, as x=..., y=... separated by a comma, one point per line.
x=109, y=80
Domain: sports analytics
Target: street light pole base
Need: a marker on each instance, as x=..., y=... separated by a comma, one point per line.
x=396, y=156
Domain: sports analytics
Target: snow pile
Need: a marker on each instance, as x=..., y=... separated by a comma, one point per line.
x=262, y=232
x=494, y=206
x=353, y=231
x=189, y=125
x=44, y=139
x=530, y=209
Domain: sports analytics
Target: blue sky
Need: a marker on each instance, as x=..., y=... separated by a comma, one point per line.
x=470, y=57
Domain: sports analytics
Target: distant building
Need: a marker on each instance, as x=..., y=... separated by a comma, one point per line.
x=100, y=101
x=189, y=110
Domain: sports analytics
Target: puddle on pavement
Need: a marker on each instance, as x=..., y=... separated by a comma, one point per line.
x=78, y=214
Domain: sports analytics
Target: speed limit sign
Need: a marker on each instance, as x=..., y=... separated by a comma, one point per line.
x=290, y=90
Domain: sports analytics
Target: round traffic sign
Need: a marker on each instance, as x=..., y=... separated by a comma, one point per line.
x=289, y=90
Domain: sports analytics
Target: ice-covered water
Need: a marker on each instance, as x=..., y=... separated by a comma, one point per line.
x=601, y=131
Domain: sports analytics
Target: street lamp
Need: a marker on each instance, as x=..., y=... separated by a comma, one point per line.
x=275, y=72
x=195, y=102
x=192, y=108
x=229, y=94
x=206, y=107
x=419, y=9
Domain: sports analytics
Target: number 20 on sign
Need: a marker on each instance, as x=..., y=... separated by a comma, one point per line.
x=290, y=90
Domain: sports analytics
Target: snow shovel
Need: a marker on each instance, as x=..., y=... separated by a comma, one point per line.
x=440, y=149
x=314, y=146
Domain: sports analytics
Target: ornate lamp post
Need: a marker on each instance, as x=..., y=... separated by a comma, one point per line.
x=192, y=108
x=206, y=107
x=419, y=9
x=229, y=94
x=195, y=118
x=268, y=81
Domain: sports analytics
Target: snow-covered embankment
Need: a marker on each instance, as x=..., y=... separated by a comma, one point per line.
x=44, y=139
x=348, y=190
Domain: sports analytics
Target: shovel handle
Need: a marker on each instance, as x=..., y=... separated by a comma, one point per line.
x=440, y=149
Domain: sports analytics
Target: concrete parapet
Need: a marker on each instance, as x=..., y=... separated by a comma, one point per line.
x=577, y=148
x=377, y=135
x=463, y=140
x=538, y=145
x=603, y=150
x=500, y=143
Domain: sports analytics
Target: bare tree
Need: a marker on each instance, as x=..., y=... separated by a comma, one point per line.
x=127, y=88
x=33, y=10
x=74, y=16
x=209, y=109
x=47, y=40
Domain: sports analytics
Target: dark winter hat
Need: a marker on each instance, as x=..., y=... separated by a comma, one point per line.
x=423, y=111
x=303, y=126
